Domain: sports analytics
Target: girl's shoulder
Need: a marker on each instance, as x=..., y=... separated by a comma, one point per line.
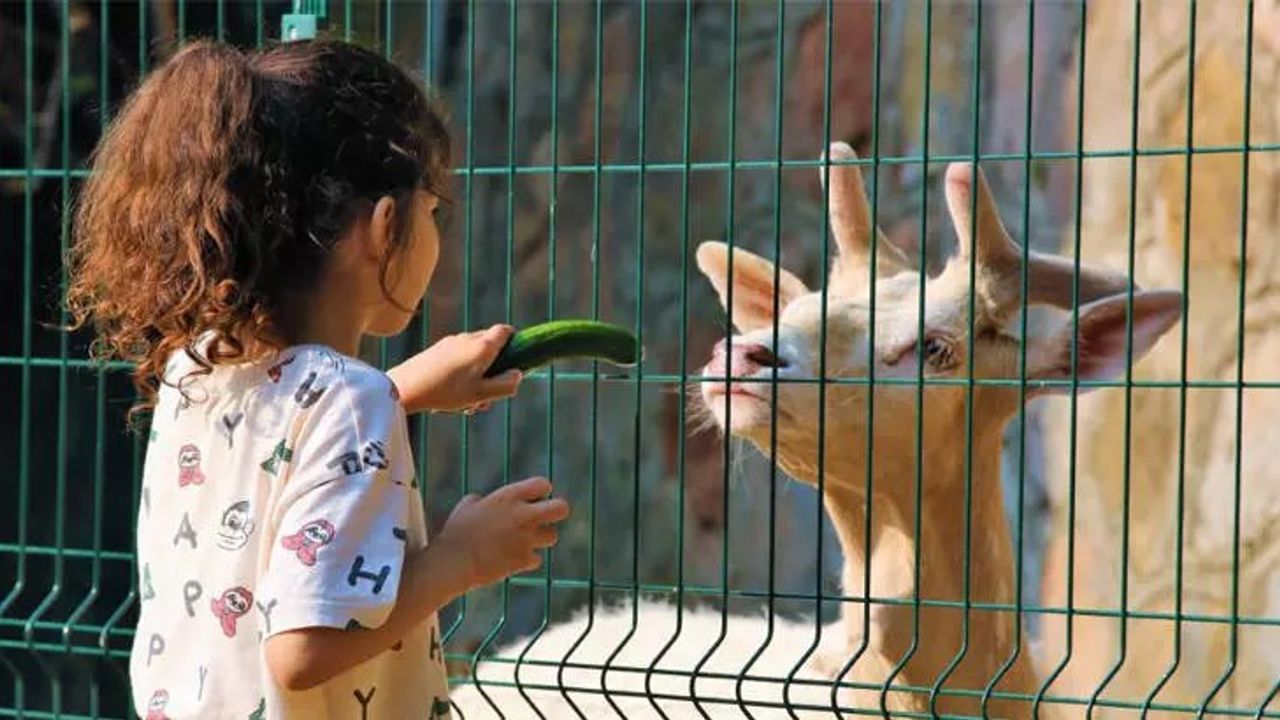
x=318, y=370
x=303, y=372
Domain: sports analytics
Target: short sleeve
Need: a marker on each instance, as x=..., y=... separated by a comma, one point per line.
x=342, y=520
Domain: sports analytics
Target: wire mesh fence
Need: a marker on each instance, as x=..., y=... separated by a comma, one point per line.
x=1120, y=562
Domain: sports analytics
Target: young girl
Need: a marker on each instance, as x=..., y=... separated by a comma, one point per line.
x=249, y=218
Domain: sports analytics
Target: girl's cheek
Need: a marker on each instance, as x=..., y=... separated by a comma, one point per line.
x=431, y=255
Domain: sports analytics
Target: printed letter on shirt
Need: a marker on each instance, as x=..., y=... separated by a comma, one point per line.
x=364, y=701
x=358, y=573
x=154, y=647
x=229, y=423
x=306, y=396
x=186, y=532
x=266, y=613
x=191, y=592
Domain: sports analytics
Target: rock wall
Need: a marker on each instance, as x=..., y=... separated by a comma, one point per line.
x=1178, y=461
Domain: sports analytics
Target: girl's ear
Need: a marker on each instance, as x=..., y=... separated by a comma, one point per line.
x=383, y=222
x=753, y=288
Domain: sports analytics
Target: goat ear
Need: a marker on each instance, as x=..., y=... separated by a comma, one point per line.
x=753, y=288
x=1101, y=338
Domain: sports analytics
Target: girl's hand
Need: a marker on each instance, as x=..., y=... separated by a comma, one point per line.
x=499, y=534
x=449, y=375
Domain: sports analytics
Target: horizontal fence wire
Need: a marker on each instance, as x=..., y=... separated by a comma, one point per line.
x=69, y=583
x=677, y=381
x=745, y=165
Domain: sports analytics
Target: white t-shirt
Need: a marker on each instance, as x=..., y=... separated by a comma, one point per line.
x=279, y=495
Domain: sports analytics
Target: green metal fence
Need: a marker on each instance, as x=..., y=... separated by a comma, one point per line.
x=598, y=143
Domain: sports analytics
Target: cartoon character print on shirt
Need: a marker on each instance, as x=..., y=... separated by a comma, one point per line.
x=156, y=705
x=189, y=472
x=309, y=539
x=230, y=607
x=236, y=526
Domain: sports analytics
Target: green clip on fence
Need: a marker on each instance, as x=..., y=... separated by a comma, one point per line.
x=597, y=145
x=306, y=18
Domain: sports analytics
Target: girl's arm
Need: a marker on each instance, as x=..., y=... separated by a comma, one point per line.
x=484, y=540
x=303, y=659
x=450, y=374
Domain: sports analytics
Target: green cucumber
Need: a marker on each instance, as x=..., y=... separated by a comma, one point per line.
x=538, y=345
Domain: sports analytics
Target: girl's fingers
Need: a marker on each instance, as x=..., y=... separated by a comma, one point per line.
x=467, y=500
x=527, y=490
x=545, y=537
x=492, y=341
x=502, y=386
x=546, y=512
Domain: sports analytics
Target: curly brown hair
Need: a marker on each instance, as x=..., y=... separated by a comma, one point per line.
x=220, y=188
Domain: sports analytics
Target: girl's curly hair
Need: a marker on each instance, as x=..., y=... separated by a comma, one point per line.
x=224, y=182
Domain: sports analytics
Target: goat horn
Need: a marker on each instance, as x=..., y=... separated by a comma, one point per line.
x=999, y=258
x=851, y=216
x=850, y=213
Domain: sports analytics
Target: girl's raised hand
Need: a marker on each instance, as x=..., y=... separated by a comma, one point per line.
x=449, y=376
x=500, y=534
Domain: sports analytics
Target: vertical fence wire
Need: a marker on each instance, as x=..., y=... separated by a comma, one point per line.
x=24, y=413
x=825, y=169
x=260, y=23
x=686, y=160
x=1242, y=294
x=28, y=261
x=727, y=455
x=61, y=445
x=99, y=481
x=553, y=194
x=1123, y=638
x=421, y=447
x=468, y=193
x=860, y=651
x=1023, y=289
x=918, y=430
x=1180, y=502
x=593, y=452
x=59, y=579
x=771, y=560
x=975, y=138
x=508, y=297
x=637, y=423
x=1074, y=376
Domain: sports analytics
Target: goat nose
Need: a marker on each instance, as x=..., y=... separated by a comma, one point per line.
x=761, y=356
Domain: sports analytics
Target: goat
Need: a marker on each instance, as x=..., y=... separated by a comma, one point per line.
x=924, y=520
x=958, y=650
